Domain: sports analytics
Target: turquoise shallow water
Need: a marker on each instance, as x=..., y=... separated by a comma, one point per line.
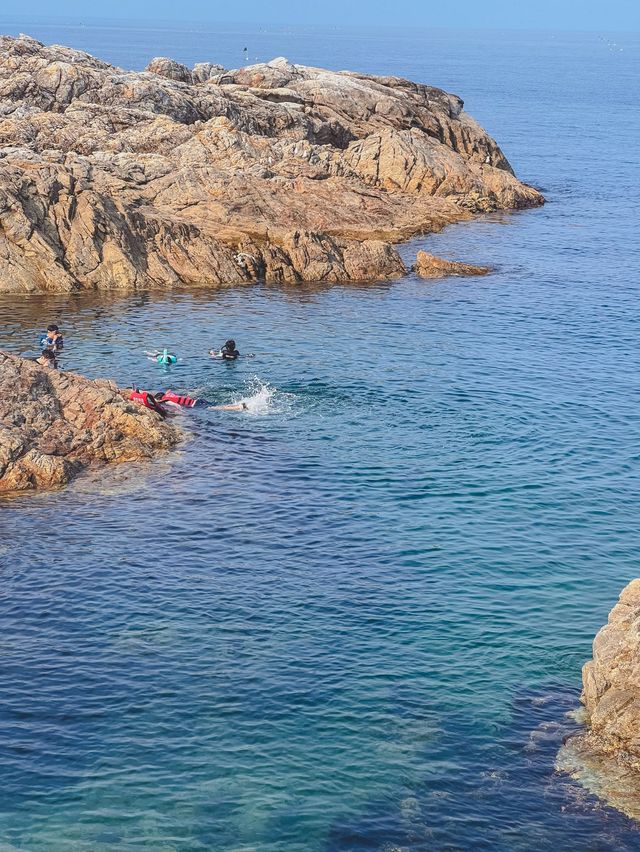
x=355, y=618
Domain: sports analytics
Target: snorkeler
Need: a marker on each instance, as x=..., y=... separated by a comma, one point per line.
x=227, y=353
x=165, y=357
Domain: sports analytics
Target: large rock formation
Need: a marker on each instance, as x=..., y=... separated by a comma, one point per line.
x=605, y=756
x=53, y=425
x=119, y=179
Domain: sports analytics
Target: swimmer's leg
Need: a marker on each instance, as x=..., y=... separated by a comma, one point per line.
x=235, y=406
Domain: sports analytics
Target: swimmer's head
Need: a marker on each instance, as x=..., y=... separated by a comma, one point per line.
x=230, y=346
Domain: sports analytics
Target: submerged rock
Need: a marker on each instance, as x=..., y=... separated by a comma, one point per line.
x=605, y=756
x=54, y=424
x=430, y=266
x=121, y=179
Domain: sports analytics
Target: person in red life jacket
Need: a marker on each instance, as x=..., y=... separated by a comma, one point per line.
x=184, y=401
x=146, y=398
x=160, y=401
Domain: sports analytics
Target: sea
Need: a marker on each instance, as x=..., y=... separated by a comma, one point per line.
x=352, y=617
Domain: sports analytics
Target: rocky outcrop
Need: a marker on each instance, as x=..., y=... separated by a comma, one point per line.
x=430, y=266
x=169, y=68
x=169, y=176
x=605, y=756
x=53, y=425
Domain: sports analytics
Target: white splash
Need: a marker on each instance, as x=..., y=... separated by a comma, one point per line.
x=261, y=398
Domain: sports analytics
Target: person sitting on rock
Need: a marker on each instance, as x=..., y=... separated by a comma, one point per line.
x=52, y=339
x=227, y=353
x=47, y=359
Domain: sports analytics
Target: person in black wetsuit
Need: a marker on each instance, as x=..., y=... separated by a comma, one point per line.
x=227, y=353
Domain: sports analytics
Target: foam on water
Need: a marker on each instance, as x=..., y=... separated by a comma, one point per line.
x=261, y=398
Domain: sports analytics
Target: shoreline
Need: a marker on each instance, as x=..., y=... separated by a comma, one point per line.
x=55, y=424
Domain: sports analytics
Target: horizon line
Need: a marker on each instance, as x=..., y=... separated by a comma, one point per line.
x=162, y=23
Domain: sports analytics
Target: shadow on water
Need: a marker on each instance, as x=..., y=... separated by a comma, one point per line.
x=502, y=794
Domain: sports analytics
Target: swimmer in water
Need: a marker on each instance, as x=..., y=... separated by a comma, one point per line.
x=163, y=401
x=232, y=406
x=52, y=339
x=227, y=353
x=165, y=357
x=183, y=401
x=146, y=398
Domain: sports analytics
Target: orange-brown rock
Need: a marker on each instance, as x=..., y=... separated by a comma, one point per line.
x=121, y=179
x=54, y=425
x=605, y=755
x=430, y=266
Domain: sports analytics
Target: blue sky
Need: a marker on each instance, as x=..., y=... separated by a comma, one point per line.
x=606, y=15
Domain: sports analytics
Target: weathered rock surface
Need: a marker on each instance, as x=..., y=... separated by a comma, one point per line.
x=605, y=757
x=430, y=266
x=54, y=424
x=120, y=179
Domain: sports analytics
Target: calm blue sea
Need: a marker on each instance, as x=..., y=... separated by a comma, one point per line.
x=354, y=618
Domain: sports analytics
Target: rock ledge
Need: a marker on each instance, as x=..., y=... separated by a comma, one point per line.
x=53, y=425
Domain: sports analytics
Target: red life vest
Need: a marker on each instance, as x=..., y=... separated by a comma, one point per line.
x=145, y=398
x=185, y=401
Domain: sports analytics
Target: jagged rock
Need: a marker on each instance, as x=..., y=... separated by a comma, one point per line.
x=54, y=425
x=122, y=179
x=430, y=266
x=170, y=69
x=202, y=71
x=605, y=756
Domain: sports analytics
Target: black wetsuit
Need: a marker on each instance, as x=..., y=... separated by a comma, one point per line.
x=229, y=354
